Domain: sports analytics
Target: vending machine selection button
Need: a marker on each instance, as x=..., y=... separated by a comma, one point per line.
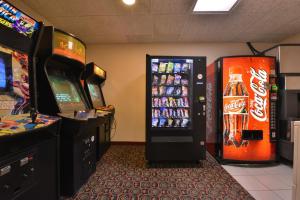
x=24, y=161
x=201, y=98
x=199, y=76
x=5, y=170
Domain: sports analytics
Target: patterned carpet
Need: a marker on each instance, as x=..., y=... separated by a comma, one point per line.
x=123, y=174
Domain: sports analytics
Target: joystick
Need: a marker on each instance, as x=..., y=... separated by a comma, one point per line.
x=33, y=114
x=75, y=113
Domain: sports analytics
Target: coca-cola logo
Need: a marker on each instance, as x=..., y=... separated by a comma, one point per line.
x=234, y=105
x=258, y=82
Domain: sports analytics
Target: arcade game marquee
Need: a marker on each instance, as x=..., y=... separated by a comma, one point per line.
x=61, y=63
x=94, y=77
x=242, y=98
x=175, y=108
x=28, y=140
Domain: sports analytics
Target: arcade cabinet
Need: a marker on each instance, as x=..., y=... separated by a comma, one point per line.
x=28, y=140
x=94, y=77
x=61, y=63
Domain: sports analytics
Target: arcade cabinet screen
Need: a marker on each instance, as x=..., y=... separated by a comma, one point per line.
x=66, y=91
x=2, y=74
x=96, y=95
x=14, y=82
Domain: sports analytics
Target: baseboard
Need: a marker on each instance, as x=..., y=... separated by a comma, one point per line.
x=127, y=143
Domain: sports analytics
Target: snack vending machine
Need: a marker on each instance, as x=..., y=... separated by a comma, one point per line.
x=175, y=108
x=242, y=109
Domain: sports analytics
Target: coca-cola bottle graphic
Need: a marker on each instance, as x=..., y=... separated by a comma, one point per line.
x=235, y=109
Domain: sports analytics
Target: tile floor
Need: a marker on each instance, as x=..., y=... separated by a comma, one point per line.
x=264, y=183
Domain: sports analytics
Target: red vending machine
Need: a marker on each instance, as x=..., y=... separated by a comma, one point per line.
x=241, y=109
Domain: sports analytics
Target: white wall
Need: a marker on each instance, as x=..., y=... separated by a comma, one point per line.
x=126, y=76
x=292, y=39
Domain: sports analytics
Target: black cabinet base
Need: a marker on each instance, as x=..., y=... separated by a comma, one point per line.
x=158, y=152
x=32, y=172
x=77, y=154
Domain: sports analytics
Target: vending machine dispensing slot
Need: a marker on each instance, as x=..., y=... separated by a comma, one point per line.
x=252, y=135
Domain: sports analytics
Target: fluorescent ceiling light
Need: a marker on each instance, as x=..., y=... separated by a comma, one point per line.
x=129, y=2
x=214, y=5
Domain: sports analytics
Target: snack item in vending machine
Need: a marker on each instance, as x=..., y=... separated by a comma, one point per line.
x=154, y=67
x=170, y=122
x=162, y=90
x=171, y=112
x=186, y=113
x=178, y=113
x=154, y=90
x=178, y=91
x=170, y=67
x=181, y=112
x=179, y=102
x=235, y=109
x=155, y=80
x=184, y=82
x=186, y=102
x=156, y=113
x=163, y=79
x=184, y=91
x=170, y=90
x=170, y=79
x=177, y=68
x=185, y=67
x=162, y=67
x=157, y=102
x=184, y=123
x=177, y=79
x=172, y=102
x=174, y=113
x=164, y=102
x=165, y=112
x=177, y=123
x=162, y=122
x=154, y=122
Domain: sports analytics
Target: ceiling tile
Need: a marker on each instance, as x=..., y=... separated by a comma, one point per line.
x=169, y=24
x=172, y=6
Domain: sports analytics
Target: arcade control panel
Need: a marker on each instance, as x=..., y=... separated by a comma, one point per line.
x=28, y=157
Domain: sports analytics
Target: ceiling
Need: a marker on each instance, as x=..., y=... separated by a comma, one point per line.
x=109, y=21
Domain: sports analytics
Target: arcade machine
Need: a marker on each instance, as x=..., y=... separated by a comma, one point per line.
x=175, y=108
x=61, y=62
x=242, y=109
x=28, y=140
x=94, y=77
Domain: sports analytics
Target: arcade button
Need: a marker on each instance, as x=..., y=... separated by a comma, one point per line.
x=14, y=127
x=30, y=126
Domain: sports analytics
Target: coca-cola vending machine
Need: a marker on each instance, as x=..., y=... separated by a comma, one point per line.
x=241, y=110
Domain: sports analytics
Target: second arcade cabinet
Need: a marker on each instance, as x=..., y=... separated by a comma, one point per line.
x=94, y=77
x=61, y=62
